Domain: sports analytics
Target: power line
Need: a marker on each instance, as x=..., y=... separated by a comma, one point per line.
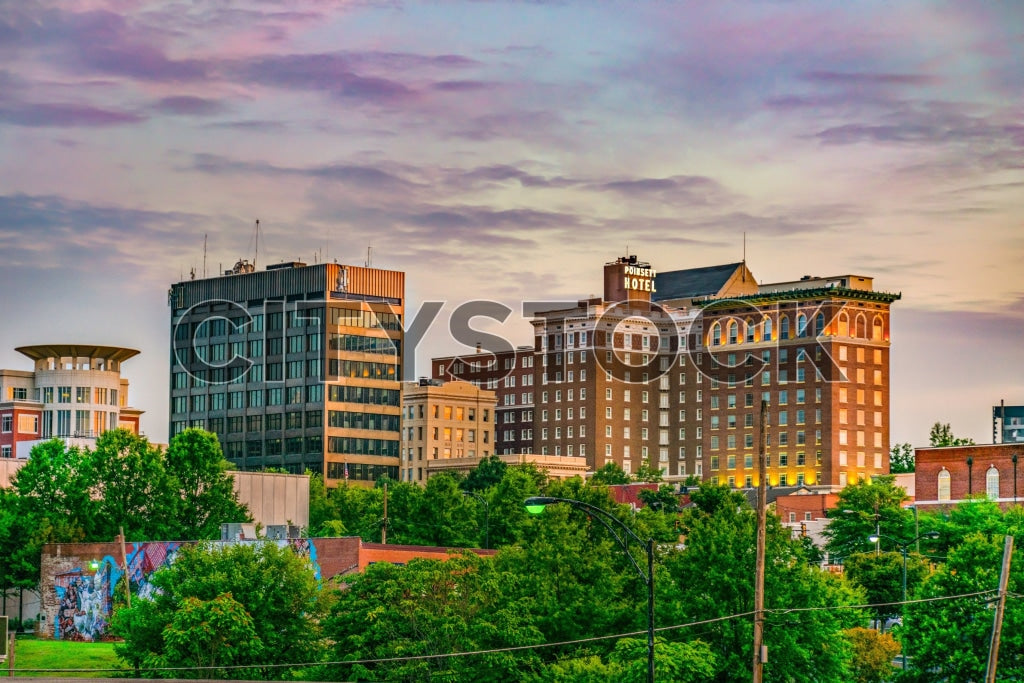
x=539, y=646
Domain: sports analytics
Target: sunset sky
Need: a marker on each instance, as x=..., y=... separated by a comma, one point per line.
x=506, y=150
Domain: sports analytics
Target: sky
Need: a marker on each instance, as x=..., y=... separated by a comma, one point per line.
x=507, y=150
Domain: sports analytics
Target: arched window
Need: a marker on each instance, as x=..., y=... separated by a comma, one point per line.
x=783, y=327
x=801, y=325
x=844, y=325
x=751, y=330
x=715, y=336
x=876, y=328
x=992, y=483
x=766, y=334
x=733, y=332
x=862, y=327
x=944, y=485
x=819, y=324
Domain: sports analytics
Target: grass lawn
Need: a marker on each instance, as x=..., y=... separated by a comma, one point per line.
x=31, y=653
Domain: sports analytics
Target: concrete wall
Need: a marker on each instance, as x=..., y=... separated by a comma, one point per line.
x=274, y=498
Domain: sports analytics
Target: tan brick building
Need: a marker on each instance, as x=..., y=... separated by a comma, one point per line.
x=510, y=375
x=444, y=421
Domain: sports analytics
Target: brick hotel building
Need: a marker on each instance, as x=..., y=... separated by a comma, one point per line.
x=672, y=368
x=295, y=366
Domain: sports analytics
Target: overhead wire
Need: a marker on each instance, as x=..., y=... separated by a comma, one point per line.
x=519, y=648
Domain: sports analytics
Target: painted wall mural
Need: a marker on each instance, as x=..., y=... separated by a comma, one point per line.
x=85, y=594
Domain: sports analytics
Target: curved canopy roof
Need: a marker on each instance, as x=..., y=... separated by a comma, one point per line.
x=40, y=351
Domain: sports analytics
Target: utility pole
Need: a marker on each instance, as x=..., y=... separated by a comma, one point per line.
x=762, y=472
x=384, y=525
x=997, y=619
x=127, y=574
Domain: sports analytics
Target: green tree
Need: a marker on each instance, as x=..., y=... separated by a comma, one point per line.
x=53, y=489
x=860, y=509
x=881, y=577
x=647, y=472
x=942, y=435
x=209, y=634
x=901, y=458
x=274, y=586
x=321, y=510
x=206, y=496
x=873, y=653
x=712, y=578
x=486, y=474
x=949, y=639
x=132, y=488
x=430, y=607
x=570, y=575
x=665, y=499
x=508, y=516
x=48, y=502
x=691, y=662
x=610, y=474
x=446, y=517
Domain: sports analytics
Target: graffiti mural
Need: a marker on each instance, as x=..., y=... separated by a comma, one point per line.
x=85, y=595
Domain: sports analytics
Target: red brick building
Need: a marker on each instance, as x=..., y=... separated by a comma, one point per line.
x=510, y=376
x=949, y=475
x=671, y=369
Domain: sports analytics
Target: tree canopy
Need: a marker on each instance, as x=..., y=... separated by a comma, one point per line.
x=252, y=603
x=66, y=494
x=942, y=435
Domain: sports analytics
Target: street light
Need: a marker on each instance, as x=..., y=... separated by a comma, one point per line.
x=903, y=549
x=877, y=517
x=536, y=505
x=487, y=516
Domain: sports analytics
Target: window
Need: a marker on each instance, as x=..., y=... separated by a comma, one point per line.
x=7, y=423
x=992, y=483
x=943, y=485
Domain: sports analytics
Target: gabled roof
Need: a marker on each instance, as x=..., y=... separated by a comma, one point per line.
x=693, y=282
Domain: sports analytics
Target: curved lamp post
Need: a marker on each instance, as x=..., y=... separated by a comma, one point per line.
x=487, y=516
x=536, y=505
x=875, y=538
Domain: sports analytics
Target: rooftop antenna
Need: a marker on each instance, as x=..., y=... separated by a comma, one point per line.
x=744, y=255
x=204, y=255
x=256, y=258
x=369, y=256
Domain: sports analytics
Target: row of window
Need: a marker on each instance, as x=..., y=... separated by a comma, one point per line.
x=438, y=411
x=735, y=331
x=64, y=394
x=748, y=460
x=251, y=398
x=784, y=479
x=991, y=484
x=358, y=446
x=293, y=445
x=269, y=422
x=360, y=420
x=360, y=471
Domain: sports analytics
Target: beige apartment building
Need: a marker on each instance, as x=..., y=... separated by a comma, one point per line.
x=444, y=421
